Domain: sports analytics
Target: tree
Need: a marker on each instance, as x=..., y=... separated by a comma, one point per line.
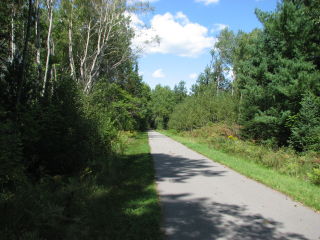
x=180, y=91
x=162, y=104
x=305, y=126
x=281, y=70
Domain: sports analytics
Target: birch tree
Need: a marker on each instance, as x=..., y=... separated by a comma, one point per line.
x=13, y=44
x=50, y=4
x=102, y=25
x=99, y=38
x=25, y=53
x=98, y=34
x=38, y=37
x=70, y=40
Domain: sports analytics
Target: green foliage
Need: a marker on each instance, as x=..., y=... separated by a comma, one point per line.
x=185, y=116
x=213, y=98
x=180, y=91
x=315, y=176
x=162, y=104
x=273, y=69
x=306, y=126
x=62, y=146
x=88, y=206
x=61, y=135
x=11, y=171
x=282, y=69
x=126, y=111
x=199, y=110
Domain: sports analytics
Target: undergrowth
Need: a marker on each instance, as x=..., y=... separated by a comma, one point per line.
x=115, y=200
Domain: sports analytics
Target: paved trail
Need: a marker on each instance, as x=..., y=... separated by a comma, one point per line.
x=204, y=200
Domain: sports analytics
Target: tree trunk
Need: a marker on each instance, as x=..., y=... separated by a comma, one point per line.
x=24, y=55
x=85, y=53
x=13, y=45
x=38, y=47
x=50, y=12
x=54, y=68
x=218, y=82
x=108, y=17
x=71, y=60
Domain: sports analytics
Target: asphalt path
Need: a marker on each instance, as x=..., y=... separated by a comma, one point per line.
x=202, y=199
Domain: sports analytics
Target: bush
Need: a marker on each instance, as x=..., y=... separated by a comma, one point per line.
x=200, y=110
x=314, y=176
x=12, y=169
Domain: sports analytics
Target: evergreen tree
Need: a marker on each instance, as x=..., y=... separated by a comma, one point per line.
x=283, y=69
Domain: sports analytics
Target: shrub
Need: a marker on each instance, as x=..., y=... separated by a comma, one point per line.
x=314, y=176
x=200, y=110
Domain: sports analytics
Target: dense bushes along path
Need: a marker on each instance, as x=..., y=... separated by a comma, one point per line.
x=202, y=199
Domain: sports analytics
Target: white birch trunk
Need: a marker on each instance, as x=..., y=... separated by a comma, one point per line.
x=102, y=20
x=13, y=45
x=108, y=17
x=37, y=31
x=54, y=68
x=85, y=54
x=71, y=59
x=50, y=12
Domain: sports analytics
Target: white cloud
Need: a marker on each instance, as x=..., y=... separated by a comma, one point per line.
x=193, y=76
x=207, y=2
x=180, y=16
x=176, y=34
x=218, y=27
x=158, y=73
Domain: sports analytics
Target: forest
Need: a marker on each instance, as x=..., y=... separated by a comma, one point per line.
x=71, y=96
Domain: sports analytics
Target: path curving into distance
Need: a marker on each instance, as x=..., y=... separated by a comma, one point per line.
x=205, y=200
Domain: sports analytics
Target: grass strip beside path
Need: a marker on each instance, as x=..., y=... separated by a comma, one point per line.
x=141, y=200
x=299, y=190
x=130, y=208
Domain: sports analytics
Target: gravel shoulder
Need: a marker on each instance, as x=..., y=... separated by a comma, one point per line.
x=202, y=199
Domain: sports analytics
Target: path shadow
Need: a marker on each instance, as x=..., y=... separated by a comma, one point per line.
x=204, y=220
x=179, y=169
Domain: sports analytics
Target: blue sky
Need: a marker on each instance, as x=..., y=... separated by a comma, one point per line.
x=187, y=30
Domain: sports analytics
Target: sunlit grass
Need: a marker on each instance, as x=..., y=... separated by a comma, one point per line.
x=298, y=189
